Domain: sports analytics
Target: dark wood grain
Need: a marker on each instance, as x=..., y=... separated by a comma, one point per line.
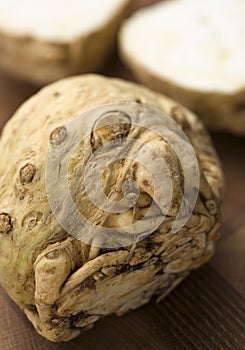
x=207, y=311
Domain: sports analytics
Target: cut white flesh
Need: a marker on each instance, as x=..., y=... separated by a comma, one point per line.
x=42, y=41
x=194, y=51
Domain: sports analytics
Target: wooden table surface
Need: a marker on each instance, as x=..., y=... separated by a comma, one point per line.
x=207, y=311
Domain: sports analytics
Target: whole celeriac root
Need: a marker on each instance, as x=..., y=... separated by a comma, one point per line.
x=62, y=283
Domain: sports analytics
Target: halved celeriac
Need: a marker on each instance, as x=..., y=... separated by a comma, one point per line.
x=42, y=41
x=194, y=51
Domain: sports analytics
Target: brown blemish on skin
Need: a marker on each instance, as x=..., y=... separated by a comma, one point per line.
x=58, y=135
x=31, y=220
x=178, y=114
x=112, y=126
x=6, y=225
x=21, y=278
x=146, y=183
x=211, y=206
x=51, y=271
x=52, y=255
x=27, y=173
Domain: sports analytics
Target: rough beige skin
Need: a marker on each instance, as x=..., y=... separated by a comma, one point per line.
x=218, y=108
x=64, y=285
x=42, y=60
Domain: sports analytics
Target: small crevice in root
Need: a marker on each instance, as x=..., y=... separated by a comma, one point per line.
x=31, y=308
x=75, y=319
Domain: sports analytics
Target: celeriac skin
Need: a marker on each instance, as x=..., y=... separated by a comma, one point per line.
x=62, y=284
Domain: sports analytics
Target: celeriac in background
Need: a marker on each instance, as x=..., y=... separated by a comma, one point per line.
x=42, y=40
x=193, y=51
